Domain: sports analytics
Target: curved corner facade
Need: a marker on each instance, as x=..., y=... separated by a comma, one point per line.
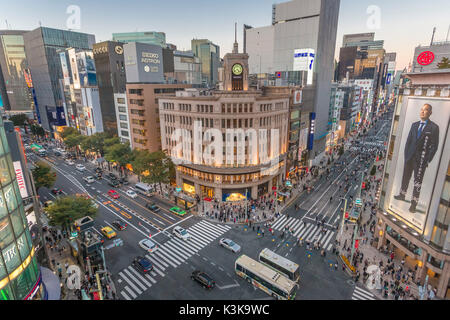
x=20, y=277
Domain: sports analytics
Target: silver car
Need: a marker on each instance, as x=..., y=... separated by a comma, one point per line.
x=230, y=245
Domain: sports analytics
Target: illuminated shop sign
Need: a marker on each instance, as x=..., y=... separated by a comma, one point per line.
x=312, y=119
x=20, y=179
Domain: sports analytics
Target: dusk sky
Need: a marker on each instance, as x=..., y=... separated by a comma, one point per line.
x=403, y=24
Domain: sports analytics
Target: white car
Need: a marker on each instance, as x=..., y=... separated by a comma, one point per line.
x=80, y=167
x=230, y=245
x=70, y=162
x=131, y=193
x=89, y=179
x=148, y=245
x=181, y=233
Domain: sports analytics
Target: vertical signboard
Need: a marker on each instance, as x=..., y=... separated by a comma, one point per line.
x=20, y=179
x=65, y=68
x=312, y=123
x=74, y=67
x=421, y=141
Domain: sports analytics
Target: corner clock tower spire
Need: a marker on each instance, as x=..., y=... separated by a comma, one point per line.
x=235, y=66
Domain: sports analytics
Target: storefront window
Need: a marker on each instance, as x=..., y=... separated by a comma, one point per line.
x=11, y=257
x=17, y=222
x=6, y=293
x=5, y=177
x=10, y=197
x=6, y=233
x=25, y=281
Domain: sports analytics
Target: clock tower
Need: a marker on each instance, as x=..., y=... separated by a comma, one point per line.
x=235, y=66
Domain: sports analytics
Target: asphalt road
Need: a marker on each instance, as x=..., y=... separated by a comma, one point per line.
x=175, y=259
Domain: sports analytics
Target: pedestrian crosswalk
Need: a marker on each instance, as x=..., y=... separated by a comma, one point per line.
x=361, y=294
x=170, y=254
x=306, y=231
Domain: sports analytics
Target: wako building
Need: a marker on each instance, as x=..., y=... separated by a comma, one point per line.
x=249, y=130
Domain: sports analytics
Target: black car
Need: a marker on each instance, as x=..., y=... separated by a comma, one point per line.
x=98, y=170
x=119, y=224
x=98, y=175
x=56, y=191
x=124, y=181
x=114, y=183
x=112, y=176
x=206, y=281
x=152, y=207
x=142, y=264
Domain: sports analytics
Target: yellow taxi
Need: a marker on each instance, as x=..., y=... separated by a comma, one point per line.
x=108, y=232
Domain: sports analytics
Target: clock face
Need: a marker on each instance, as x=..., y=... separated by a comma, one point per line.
x=119, y=50
x=237, y=69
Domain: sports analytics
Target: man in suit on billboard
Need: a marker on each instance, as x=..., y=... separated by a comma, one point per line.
x=420, y=148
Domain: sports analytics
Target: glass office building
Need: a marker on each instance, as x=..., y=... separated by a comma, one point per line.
x=20, y=277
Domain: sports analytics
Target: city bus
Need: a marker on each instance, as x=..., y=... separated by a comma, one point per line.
x=268, y=280
x=278, y=263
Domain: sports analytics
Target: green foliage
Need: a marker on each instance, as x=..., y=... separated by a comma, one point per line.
x=119, y=153
x=159, y=167
x=98, y=142
x=43, y=175
x=65, y=210
x=341, y=150
x=37, y=130
x=68, y=131
x=74, y=140
x=140, y=161
x=19, y=119
x=444, y=64
x=373, y=171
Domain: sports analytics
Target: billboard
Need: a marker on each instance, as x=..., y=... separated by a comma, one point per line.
x=304, y=61
x=65, y=68
x=312, y=123
x=143, y=62
x=74, y=68
x=425, y=124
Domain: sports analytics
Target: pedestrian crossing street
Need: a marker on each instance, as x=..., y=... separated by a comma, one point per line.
x=170, y=254
x=361, y=294
x=306, y=231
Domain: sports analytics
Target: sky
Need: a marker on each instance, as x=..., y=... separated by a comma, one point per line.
x=403, y=24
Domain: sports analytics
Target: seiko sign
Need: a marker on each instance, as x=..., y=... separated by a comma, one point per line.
x=149, y=57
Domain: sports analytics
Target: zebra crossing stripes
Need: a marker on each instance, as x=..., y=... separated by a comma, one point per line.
x=361, y=294
x=275, y=225
x=169, y=254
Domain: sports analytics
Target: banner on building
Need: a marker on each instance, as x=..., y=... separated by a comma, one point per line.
x=312, y=123
x=304, y=61
x=297, y=96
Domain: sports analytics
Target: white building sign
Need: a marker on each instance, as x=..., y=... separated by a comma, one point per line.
x=304, y=61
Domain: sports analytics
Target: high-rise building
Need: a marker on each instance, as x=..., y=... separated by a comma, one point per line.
x=111, y=80
x=20, y=275
x=209, y=54
x=334, y=116
x=42, y=47
x=16, y=86
x=302, y=37
x=414, y=216
x=149, y=37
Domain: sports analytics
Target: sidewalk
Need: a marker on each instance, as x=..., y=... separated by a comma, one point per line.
x=395, y=274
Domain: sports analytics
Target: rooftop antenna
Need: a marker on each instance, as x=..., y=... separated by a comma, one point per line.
x=432, y=38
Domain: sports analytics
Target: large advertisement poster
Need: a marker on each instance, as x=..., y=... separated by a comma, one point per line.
x=422, y=137
x=65, y=68
x=304, y=61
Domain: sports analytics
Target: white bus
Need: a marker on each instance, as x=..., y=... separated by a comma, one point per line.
x=144, y=189
x=266, y=279
x=278, y=263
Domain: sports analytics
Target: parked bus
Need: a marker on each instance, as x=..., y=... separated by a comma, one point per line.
x=38, y=149
x=278, y=263
x=144, y=189
x=265, y=278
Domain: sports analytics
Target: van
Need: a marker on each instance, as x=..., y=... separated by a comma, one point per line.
x=144, y=189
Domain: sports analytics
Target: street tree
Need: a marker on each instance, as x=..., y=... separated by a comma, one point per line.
x=68, y=131
x=65, y=210
x=73, y=141
x=119, y=153
x=140, y=162
x=97, y=143
x=20, y=120
x=37, y=130
x=159, y=169
x=43, y=175
x=373, y=171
